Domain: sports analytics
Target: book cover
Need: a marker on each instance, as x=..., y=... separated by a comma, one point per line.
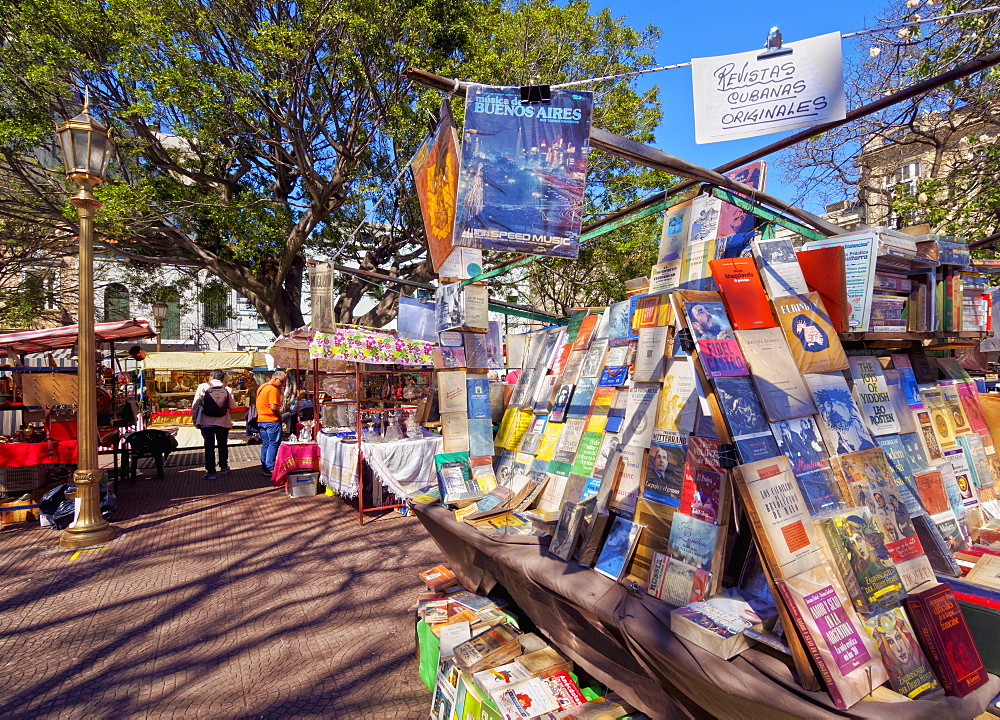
x=628, y=481
x=873, y=395
x=665, y=276
x=651, y=310
x=640, y=414
x=678, y=400
x=704, y=222
x=910, y=673
x=781, y=389
x=799, y=440
x=452, y=392
x=541, y=403
x=703, y=480
x=938, y=550
x=550, y=439
x=650, y=356
x=941, y=421
x=566, y=692
x=477, y=389
x=824, y=272
x=480, y=437
x=946, y=640
x=862, y=560
x=674, y=236
x=841, y=649
x=742, y=292
x=840, y=421
x=953, y=404
x=461, y=308
x=810, y=334
x=860, y=255
x=745, y=418
x=784, y=529
x=963, y=477
x=451, y=357
x=616, y=413
x=525, y=699
x=619, y=323
x=567, y=532
x=678, y=582
x=915, y=571
x=928, y=436
x=986, y=572
x=734, y=220
x=900, y=405
x=569, y=440
x=560, y=406
x=779, y=267
x=535, y=203
x=979, y=463
x=455, y=478
x=655, y=520
x=717, y=348
x=455, y=433
x=580, y=400
x=711, y=627
x=692, y=541
x=593, y=360
x=968, y=394
x=618, y=548
x=663, y=479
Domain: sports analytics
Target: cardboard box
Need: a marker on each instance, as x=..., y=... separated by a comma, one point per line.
x=18, y=516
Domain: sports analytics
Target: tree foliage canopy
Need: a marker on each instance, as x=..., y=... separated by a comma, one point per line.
x=252, y=131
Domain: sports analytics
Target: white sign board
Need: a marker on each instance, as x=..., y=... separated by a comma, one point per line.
x=752, y=93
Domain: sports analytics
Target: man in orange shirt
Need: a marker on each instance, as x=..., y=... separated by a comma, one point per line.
x=269, y=419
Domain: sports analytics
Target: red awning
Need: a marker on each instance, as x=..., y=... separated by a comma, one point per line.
x=64, y=337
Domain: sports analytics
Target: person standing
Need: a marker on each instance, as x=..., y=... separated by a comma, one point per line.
x=210, y=414
x=269, y=419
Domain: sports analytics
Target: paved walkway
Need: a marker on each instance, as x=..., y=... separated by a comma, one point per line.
x=220, y=599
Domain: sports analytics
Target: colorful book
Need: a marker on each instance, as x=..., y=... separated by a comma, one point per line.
x=742, y=292
x=717, y=347
x=618, y=548
x=567, y=532
x=677, y=582
x=678, y=399
x=455, y=479
x=704, y=478
x=910, y=673
x=873, y=397
x=620, y=321
x=674, y=236
x=842, y=650
x=799, y=440
x=862, y=561
x=692, y=541
x=824, y=272
x=860, y=255
x=712, y=628
x=840, y=421
x=784, y=528
x=560, y=406
x=782, y=391
x=810, y=334
x=663, y=479
x=946, y=640
x=478, y=396
x=745, y=417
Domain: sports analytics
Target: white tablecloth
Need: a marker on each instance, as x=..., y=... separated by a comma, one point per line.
x=402, y=466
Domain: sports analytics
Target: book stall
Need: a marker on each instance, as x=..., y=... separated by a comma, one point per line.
x=366, y=383
x=38, y=400
x=171, y=379
x=750, y=489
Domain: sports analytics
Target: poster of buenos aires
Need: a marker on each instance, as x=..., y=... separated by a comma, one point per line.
x=523, y=172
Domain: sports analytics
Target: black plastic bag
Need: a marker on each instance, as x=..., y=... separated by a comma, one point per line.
x=59, y=510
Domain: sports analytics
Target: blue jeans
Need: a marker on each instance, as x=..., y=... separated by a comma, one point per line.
x=270, y=439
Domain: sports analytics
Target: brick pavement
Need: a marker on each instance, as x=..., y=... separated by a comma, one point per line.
x=220, y=599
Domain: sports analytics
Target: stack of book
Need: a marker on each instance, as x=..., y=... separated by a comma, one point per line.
x=489, y=670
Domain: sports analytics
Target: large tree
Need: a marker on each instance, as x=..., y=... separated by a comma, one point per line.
x=252, y=132
x=951, y=129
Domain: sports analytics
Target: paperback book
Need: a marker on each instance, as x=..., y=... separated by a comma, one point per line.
x=781, y=389
x=742, y=292
x=799, y=440
x=910, y=673
x=745, y=417
x=677, y=582
x=717, y=348
x=692, y=541
x=840, y=420
x=618, y=548
x=663, y=479
x=813, y=341
x=862, y=561
x=873, y=395
x=779, y=267
x=704, y=479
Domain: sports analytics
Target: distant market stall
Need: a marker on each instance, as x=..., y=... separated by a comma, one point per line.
x=171, y=379
x=365, y=383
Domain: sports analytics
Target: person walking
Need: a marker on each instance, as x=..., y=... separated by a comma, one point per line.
x=269, y=419
x=210, y=414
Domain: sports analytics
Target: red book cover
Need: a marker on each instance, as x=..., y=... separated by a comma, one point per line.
x=823, y=270
x=703, y=478
x=946, y=640
x=742, y=291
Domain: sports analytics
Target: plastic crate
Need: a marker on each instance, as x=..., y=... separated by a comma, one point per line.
x=21, y=479
x=301, y=485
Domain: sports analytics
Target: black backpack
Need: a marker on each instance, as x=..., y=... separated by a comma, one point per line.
x=212, y=406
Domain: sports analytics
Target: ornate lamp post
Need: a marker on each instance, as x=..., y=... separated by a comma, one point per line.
x=86, y=149
x=159, y=315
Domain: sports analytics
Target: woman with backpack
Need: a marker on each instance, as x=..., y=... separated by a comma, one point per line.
x=210, y=413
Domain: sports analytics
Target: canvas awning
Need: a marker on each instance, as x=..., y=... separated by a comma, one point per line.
x=201, y=360
x=32, y=341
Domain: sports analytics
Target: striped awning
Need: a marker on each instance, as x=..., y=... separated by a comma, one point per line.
x=31, y=341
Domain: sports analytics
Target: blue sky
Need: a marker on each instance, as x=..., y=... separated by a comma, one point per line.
x=712, y=27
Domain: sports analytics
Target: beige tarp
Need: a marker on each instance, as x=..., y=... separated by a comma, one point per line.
x=202, y=360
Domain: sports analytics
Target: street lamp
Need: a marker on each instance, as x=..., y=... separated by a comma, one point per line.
x=159, y=315
x=86, y=149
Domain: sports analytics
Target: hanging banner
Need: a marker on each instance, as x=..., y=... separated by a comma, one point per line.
x=760, y=92
x=435, y=173
x=523, y=172
x=321, y=279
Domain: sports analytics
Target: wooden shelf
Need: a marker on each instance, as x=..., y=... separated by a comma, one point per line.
x=913, y=336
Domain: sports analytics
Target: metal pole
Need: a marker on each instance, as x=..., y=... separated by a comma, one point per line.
x=90, y=528
x=159, y=333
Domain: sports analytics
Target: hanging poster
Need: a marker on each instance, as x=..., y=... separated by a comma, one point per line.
x=756, y=93
x=435, y=173
x=523, y=172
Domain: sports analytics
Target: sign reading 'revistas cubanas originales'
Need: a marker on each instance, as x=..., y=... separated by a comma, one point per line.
x=523, y=172
x=756, y=93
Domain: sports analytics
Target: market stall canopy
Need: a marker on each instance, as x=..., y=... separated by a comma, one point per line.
x=291, y=351
x=201, y=360
x=370, y=345
x=66, y=337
